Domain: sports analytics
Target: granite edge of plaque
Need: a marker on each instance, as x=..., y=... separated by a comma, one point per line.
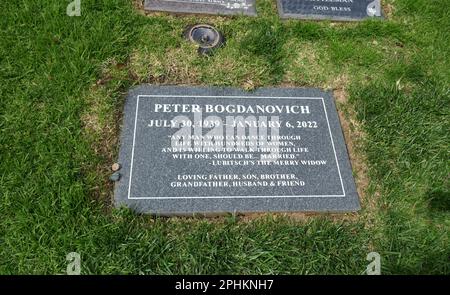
x=200, y=8
x=319, y=17
x=349, y=203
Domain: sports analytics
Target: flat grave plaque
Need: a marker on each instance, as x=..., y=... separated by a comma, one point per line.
x=188, y=150
x=246, y=7
x=345, y=10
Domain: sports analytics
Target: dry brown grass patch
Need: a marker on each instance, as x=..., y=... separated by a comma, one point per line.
x=101, y=121
x=175, y=66
x=354, y=138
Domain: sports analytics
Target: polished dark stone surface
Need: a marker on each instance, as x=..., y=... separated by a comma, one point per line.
x=311, y=172
x=246, y=7
x=345, y=10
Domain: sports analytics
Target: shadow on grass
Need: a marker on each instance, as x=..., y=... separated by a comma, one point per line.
x=438, y=200
x=266, y=40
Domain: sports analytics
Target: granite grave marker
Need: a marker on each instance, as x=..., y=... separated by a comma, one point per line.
x=207, y=150
x=246, y=7
x=345, y=10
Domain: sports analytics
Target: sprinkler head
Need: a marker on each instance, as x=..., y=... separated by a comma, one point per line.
x=205, y=36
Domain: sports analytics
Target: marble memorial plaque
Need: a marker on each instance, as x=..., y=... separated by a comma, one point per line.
x=246, y=7
x=345, y=10
x=212, y=150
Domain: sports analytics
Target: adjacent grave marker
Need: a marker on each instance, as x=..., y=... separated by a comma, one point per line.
x=348, y=10
x=211, y=150
x=246, y=7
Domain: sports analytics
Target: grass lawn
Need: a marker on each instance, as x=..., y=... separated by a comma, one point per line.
x=62, y=85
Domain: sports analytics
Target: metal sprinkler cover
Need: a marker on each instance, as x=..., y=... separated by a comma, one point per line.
x=205, y=36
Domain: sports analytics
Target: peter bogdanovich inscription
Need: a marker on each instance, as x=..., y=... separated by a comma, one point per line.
x=191, y=150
